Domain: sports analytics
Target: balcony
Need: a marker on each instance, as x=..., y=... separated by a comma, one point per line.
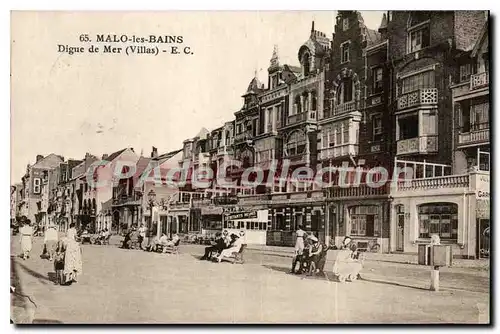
x=223, y=150
x=479, y=80
x=474, y=137
x=418, y=145
x=362, y=190
x=134, y=199
x=421, y=97
x=294, y=119
x=344, y=108
x=338, y=151
x=242, y=137
x=449, y=181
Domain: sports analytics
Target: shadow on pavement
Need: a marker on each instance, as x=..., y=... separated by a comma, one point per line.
x=35, y=274
x=317, y=276
x=392, y=283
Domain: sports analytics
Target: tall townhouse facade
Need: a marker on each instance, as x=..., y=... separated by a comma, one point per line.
x=61, y=203
x=79, y=207
x=356, y=133
x=424, y=49
x=471, y=129
x=38, y=183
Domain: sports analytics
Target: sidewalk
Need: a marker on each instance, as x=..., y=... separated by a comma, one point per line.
x=482, y=264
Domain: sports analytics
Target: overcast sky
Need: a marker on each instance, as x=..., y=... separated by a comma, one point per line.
x=100, y=103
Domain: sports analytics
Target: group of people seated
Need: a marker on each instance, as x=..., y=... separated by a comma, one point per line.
x=156, y=244
x=310, y=254
x=224, y=245
x=311, y=258
x=102, y=235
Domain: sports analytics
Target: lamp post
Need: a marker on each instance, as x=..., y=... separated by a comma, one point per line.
x=151, y=203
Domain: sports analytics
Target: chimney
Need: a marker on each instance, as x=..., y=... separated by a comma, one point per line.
x=104, y=156
x=39, y=157
x=154, y=152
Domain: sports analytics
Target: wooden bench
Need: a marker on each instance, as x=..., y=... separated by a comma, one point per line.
x=170, y=249
x=238, y=256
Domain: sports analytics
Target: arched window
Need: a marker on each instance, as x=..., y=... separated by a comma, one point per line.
x=438, y=218
x=94, y=205
x=305, y=97
x=297, y=106
x=306, y=64
x=314, y=101
x=296, y=143
x=345, y=91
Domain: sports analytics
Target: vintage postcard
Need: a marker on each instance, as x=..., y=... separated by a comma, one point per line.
x=270, y=167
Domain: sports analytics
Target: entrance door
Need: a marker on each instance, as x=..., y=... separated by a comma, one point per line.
x=484, y=238
x=400, y=233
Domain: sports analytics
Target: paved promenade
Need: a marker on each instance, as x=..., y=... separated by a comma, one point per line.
x=131, y=286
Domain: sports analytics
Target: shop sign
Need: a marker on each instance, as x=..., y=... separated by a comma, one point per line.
x=483, y=187
x=211, y=210
x=242, y=215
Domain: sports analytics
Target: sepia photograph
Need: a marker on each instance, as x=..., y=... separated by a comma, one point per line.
x=250, y=167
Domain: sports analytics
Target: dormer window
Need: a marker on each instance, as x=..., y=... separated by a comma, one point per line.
x=344, y=52
x=345, y=24
x=418, y=32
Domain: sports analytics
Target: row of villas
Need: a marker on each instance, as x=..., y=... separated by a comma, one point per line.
x=414, y=94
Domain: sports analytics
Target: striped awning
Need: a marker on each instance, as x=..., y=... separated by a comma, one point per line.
x=483, y=209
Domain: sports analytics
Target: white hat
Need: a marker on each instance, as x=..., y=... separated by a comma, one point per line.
x=312, y=237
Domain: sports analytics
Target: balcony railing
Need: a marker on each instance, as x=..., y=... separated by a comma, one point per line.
x=479, y=80
x=292, y=119
x=338, y=151
x=241, y=137
x=424, y=144
x=449, y=181
x=424, y=96
x=361, y=190
x=344, y=108
x=477, y=136
x=133, y=199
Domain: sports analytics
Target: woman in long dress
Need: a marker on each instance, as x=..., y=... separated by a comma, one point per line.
x=299, y=247
x=26, y=233
x=346, y=267
x=72, y=260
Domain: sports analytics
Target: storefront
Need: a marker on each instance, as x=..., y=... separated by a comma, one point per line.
x=453, y=207
x=254, y=223
x=211, y=219
x=365, y=221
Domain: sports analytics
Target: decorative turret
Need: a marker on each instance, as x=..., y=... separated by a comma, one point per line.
x=275, y=62
x=383, y=27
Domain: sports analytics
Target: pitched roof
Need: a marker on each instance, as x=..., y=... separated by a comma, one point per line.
x=254, y=87
x=115, y=155
x=383, y=24
x=202, y=134
x=165, y=156
x=373, y=37
x=479, y=39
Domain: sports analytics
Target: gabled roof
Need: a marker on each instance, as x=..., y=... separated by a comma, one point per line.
x=140, y=167
x=480, y=39
x=202, y=134
x=115, y=155
x=50, y=161
x=165, y=156
x=373, y=37
x=255, y=87
x=383, y=24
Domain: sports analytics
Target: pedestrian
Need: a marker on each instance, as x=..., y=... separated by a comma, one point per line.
x=26, y=238
x=72, y=260
x=50, y=241
x=217, y=247
x=299, y=247
x=142, y=235
x=71, y=233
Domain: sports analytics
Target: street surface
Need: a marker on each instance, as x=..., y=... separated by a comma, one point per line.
x=133, y=286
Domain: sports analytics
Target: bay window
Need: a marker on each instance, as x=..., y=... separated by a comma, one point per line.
x=418, y=81
x=377, y=128
x=296, y=143
x=345, y=91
